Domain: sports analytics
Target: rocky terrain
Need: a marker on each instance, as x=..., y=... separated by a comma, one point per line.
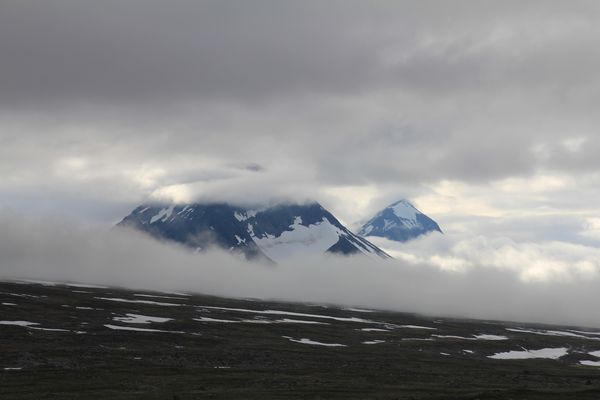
x=68, y=341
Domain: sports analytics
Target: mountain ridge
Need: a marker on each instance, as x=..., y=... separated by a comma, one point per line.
x=273, y=233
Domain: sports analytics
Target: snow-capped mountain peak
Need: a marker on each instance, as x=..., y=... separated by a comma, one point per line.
x=276, y=233
x=404, y=210
x=400, y=221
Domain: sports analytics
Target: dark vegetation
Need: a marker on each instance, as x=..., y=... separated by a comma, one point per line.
x=254, y=358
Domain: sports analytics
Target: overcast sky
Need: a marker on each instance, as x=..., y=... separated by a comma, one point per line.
x=483, y=113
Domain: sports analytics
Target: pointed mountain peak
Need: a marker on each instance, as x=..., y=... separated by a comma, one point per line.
x=400, y=221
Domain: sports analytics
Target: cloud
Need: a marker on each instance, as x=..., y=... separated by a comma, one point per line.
x=148, y=50
x=531, y=262
x=496, y=289
x=482, y=113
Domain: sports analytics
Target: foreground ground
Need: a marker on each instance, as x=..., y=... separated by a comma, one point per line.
x=74, y=342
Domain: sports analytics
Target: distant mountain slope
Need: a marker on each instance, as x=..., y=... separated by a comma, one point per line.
x=276, y=233
x=400, y=221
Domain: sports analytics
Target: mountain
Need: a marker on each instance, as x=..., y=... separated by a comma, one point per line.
x=275, y=233
x=400, y=221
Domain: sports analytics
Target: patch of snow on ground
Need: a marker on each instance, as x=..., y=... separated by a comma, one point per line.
x=374, y=330
x=298, y=321
x=453, y=337
x=373, y=341
x=207, y=319
x=157, y=296
x=49, y=329
x=53, y=283
x=260, y=321
x=585, y=332
x=118, y=299
x=178, y=293
x=475, y=337
x=27, y=296
x=8, y=304
x=595, y=353
x=312, y=342
x=417, y=327
x=550, y=333
x=84, y=286
x=18, y=323
x=129, y=328
x=13, y=368
x=590, y=363
x=490, y=337
x=140, y=319
x=563, y=333
x=550, y=353
x=35, y=282
x=358, y=310
x=276, y=312
x=32, y=325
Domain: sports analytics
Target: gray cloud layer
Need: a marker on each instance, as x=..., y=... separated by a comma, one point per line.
x=140, y=50
x=58, y=251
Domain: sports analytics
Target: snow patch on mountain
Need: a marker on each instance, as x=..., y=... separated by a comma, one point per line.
x=275, y=233
x=404, y=210
x=307, y=240
x=240, y=240
x=243, y=216
x=163, y=215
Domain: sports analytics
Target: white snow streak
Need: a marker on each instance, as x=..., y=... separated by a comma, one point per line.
x=140, y=319
x=139, y=301
x=276, y=312
x=551, y=353
x=163, y=214
x=314, y=343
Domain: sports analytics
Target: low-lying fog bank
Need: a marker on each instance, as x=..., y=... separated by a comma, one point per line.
x=58, y=251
